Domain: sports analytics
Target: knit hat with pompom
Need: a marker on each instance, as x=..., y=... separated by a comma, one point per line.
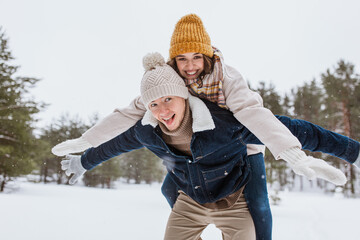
x=160, y=80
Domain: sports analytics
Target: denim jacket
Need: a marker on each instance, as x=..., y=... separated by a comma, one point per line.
x=218, y=165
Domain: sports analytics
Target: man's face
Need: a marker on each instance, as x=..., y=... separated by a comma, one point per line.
x=169, y=110
x=190, y=65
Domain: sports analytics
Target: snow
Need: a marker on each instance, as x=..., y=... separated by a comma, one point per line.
x=58, y=212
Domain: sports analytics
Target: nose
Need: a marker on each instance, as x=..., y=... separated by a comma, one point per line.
x=189, y=65
x=164, y=110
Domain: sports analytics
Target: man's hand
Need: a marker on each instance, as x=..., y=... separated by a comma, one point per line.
x=72, y=165
x=311, y=167
x=71, y=146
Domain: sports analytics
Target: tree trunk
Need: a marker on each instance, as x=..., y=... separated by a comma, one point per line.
x=352, y=179
x=46, y=171
x=59, y=180
x=347, y=132
x=346, y=118
x=2, y=186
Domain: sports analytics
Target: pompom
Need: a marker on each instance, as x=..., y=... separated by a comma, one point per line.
x=152, y=60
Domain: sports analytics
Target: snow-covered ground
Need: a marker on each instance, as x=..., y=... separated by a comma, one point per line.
x=58, y=212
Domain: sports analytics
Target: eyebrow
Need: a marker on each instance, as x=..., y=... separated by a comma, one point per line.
x=180, y=55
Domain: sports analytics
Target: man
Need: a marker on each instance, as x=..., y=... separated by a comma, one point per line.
x=204, y=150
x=207, y=76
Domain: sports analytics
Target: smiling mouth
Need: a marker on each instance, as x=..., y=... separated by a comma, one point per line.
x=169, y=120
x=193, y=73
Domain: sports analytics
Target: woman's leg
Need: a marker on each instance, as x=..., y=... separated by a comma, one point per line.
x=256, y=196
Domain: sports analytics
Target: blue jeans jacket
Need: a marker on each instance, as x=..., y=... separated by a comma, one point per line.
x=255, y=193
x=219, y=164
x=217, y=167
x=312, y=137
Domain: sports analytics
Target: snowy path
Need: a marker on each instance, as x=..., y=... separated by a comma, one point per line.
x=37, y=211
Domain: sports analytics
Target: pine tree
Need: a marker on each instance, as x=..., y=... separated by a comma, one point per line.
x=139, y=165
x=307, y=105
x=308, y=102
x=272, y=100
x=276, y=171
x=142, y=165
x=17, y=111
x=287, y=106
x=342, y=99
x=105, y=174
x=62, y=129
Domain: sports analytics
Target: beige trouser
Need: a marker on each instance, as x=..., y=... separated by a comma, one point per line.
x=188, y=219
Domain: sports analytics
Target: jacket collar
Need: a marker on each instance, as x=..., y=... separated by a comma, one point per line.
x=202, y=119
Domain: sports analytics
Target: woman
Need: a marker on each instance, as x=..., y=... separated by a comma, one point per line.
x=204, y=150
x=207, y=76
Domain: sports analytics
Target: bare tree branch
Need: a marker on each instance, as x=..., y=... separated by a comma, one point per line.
x=3, y=137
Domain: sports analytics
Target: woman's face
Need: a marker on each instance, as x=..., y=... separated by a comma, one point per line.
x=168, y=110
x=190, y=65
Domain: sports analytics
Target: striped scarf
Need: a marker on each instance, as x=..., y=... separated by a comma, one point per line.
x=210, y=87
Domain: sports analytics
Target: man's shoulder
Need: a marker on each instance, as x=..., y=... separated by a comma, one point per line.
x=214, y=108
x=140, y=128
x=220, y=114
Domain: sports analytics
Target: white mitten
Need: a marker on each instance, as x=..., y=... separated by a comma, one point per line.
x=311, y=167
x=71, y=146
x=72, y=165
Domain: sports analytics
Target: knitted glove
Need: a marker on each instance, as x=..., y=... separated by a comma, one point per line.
x=71, y=146
x=311, y=167
x=72, y=164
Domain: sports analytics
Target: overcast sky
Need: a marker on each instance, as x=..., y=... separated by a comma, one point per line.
x=88, y=54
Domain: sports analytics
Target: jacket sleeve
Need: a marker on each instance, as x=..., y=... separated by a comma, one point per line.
x=314, y=138
x=170, y=190
x=115, y=123
x=124, y=142
x=317, y=139
x=247, y=107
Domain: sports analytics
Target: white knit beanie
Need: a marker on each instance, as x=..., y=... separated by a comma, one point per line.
x=160, y=80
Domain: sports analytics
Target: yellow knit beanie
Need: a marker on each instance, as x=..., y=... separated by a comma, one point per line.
x=190, y=36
